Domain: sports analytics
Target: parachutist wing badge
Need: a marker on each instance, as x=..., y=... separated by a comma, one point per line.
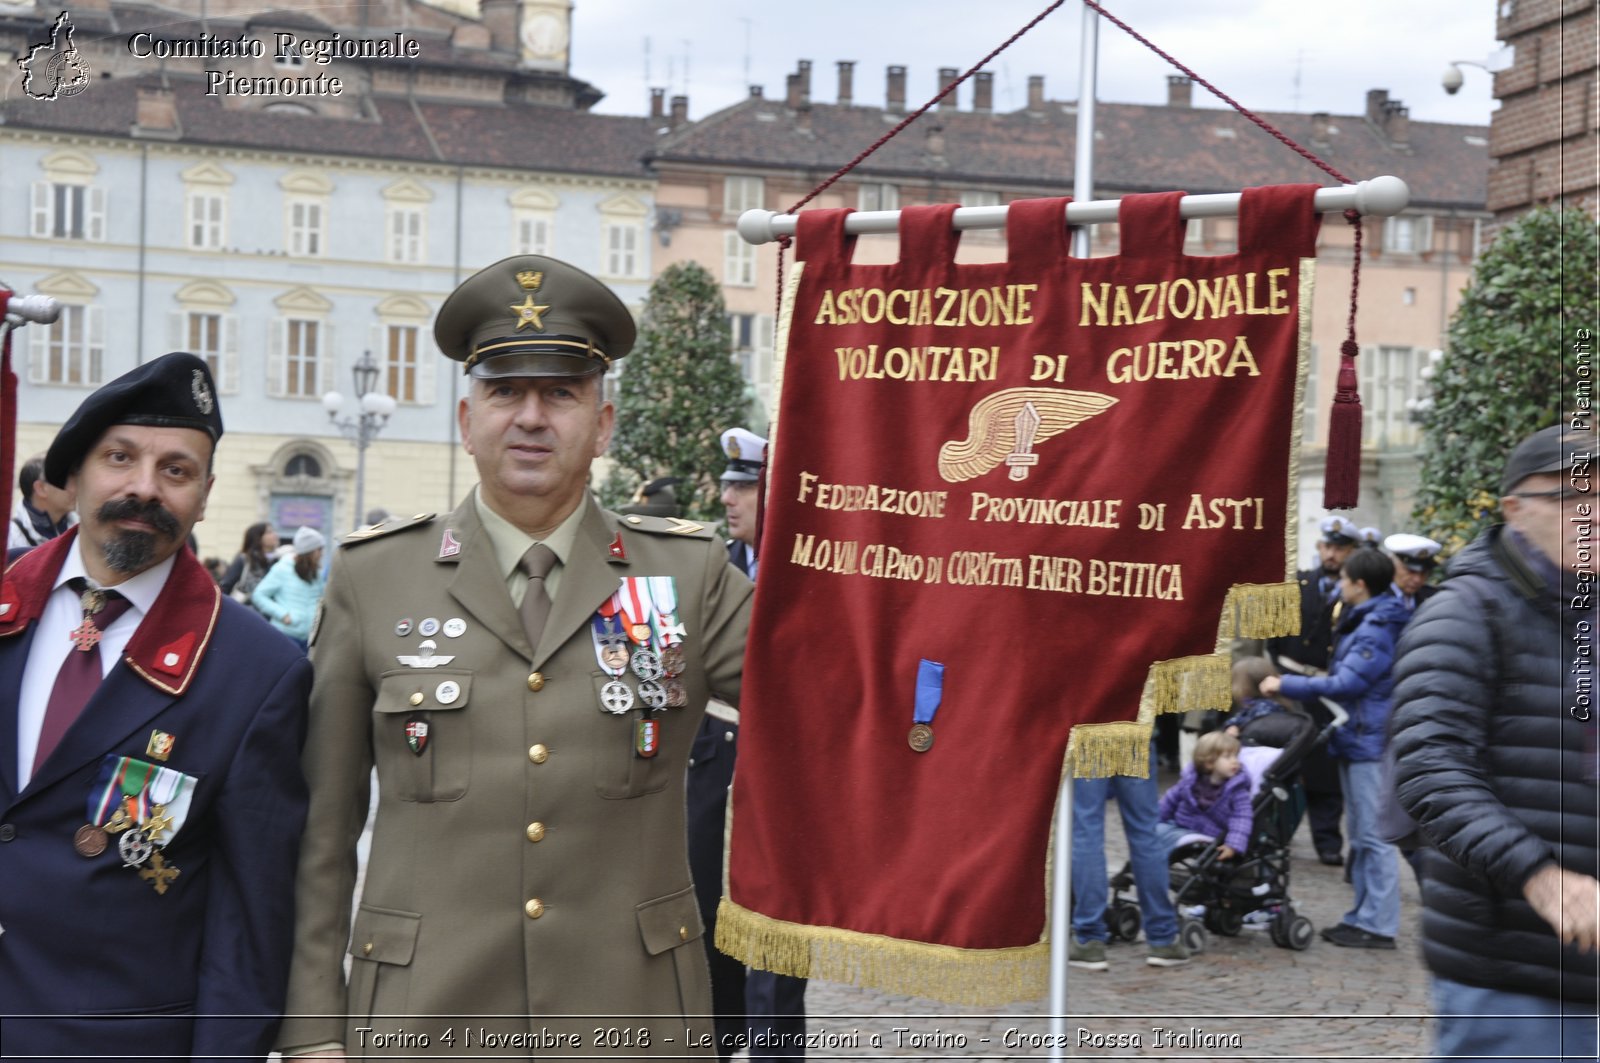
x=1003, y=429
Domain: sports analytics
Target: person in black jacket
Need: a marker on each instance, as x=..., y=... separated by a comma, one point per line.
x=1494, y=738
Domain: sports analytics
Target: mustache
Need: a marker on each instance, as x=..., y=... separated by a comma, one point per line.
x=152, y=513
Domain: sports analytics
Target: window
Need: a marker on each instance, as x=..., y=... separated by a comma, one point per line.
x=69, y=211
x=400, y=362
x=205, y=325
x=751, y=340
x=740, y=194
x=622, y=243
x=301, y=345
x=289, y=58
x=71, y=351
x=532, y=233
x=738, y=261
x=879, y=195
x=1389, y=380
x=405, y=234
x=205, y=337
x=306, y=236
x=303, y=465
x=205, y=220
x=1408, y=235
x=980, y=197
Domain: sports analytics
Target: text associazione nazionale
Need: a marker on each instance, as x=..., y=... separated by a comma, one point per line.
x=282, y=47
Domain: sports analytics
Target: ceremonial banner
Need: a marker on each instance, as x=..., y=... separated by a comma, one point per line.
x=1008, y=504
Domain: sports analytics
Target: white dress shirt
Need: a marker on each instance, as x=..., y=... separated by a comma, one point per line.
x=53, y=641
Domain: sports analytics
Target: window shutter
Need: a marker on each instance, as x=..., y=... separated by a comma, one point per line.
x=228, y=359
x=764, y=345
x=95, y=224
x=94, y=353
x=39, y=351
x=327, y=362
x=277, y=344
x=427, y=374
x=177, y=331
x=41, y=208
x=1425, y=233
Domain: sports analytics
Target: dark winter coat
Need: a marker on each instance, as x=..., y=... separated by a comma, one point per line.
x=1495, y=766
x=1359, y=676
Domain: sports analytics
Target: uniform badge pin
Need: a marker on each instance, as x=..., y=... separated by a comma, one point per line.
x=455, y=627
x=160, y=745
x=617, y=550
x=448, y=692
x=403, y=628
x=647, y=738
x=416, y=734
x=448, y=545
x=429, y=627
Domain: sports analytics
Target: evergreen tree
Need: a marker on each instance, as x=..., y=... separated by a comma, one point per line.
x=679, y=390
x=1507, y=370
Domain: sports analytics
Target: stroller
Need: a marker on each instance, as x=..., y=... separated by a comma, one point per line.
x=1254, y=886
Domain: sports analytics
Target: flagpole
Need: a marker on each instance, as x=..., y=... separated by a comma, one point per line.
x=1061, y=893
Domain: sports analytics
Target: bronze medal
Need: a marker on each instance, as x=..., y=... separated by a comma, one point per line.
x=920, y=738
x=90, y=840
x=677, y=693
x=672, y=660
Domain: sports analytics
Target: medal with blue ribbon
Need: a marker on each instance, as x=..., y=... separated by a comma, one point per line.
x=930, y=691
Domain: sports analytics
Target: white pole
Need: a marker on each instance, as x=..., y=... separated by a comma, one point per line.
x=1083, y=164
x=1379, y=197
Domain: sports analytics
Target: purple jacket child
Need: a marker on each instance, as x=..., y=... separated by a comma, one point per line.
x=1205, y=807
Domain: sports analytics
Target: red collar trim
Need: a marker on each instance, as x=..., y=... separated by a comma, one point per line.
x=173, y=637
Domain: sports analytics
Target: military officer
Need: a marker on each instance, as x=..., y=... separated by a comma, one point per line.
x=151, y=801
x=1415, y=558
x=527, y=860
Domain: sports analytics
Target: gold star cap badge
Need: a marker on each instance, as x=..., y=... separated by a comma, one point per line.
x=496, y=324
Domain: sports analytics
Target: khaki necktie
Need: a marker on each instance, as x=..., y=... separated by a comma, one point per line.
x=536, y=565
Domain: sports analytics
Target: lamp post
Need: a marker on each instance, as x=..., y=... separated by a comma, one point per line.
x=362, y=429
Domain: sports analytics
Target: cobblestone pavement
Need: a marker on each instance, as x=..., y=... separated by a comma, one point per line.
x=1251, y=999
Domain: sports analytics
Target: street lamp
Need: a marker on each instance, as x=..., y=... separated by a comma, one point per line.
x=376, y=408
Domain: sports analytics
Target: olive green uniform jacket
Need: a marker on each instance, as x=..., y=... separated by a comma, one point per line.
x=526, y=864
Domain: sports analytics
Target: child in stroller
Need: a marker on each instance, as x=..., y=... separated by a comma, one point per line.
x=1219, y=895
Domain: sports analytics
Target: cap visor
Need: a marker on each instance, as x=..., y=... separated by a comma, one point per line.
x=541, y=364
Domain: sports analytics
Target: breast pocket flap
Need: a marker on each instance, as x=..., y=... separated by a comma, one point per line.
x=670, y=921
x=423, y=690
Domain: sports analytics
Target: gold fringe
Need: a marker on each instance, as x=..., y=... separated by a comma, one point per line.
x=974, y=977
x=1261, y=611
x=1100, y=750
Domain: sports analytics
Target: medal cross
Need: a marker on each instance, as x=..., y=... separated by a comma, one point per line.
x=85, y=636
x=158, y=874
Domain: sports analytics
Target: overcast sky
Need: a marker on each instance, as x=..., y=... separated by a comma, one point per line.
x=1268, y=54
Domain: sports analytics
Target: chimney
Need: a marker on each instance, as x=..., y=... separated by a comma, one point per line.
x=1397, y=123
x=157, y=111
x=500, y=19
x=680, y=111
x=948, y=74
x=1036, y=92
x=936, y=141
x=658, y=98
x=1319, y=127
x=983, y=92
x=1180, y=91
x=896, y=103
x=846, y=82
x=804, y=74
x=1376, y=98
x=791, y=95
x=757, y=92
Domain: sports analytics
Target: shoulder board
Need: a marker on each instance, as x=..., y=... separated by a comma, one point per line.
x=674, y=527
x=387, y=527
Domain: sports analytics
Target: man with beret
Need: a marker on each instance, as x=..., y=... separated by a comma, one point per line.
x=1414, y=559
x=151, y=800
x=763, y=1011
x=526, y=674
x=1308, y=653
x=1495, y=751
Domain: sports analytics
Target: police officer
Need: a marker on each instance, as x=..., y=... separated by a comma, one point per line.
x=1415, y=558
x=1310, y=651
x=765, y=1008
x=526, y=674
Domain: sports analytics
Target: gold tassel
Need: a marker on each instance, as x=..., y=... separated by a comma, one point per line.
x=1100, y=750
x=974, y=977
x=1262, y=610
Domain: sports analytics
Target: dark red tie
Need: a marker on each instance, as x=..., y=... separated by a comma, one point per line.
x=80, y=672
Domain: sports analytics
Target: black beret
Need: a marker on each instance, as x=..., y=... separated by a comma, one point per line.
x=173, y=391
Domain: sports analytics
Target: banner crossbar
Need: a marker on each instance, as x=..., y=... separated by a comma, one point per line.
x=1381, y=197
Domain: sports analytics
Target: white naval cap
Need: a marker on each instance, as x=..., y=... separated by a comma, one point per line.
x=1339, y=532
x=1371, y=537
x=747, y=454
x=1415, y=552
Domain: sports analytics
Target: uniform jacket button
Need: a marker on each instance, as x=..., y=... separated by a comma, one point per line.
x=534, y=908
x=8, y=831
x=536, y=832
x=536, y=681
x=538, y=753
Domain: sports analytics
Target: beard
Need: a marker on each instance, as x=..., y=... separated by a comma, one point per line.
x=134, y=551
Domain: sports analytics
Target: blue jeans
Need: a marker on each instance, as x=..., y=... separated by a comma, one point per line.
x=1474, y=1023
x=1136, y=800
x=1374, y=862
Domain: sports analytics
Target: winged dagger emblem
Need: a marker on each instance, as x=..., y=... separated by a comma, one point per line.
x=1004, y=429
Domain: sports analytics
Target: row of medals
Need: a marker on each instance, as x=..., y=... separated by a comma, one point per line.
x=136, y=843
x=658, y=672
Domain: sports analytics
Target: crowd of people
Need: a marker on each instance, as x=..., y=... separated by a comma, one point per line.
x=189, y=753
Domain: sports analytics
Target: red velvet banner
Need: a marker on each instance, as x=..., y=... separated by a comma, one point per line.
x=1064, y=481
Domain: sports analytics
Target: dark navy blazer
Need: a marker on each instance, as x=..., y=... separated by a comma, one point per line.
x=93, y=961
